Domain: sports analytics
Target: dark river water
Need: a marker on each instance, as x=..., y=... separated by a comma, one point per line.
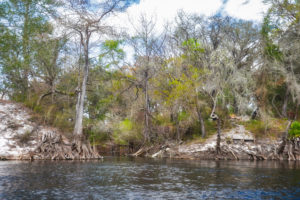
x=128, y=178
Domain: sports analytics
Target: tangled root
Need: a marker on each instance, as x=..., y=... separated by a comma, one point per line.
x=53, y=147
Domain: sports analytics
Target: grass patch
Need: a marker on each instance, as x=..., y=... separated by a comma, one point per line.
x=261, y=129
x=24, y=138
x=195, y=135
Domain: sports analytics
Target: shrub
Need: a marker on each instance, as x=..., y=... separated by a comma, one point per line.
x=24, y=138
x=97, y=137
x=257, y=127
x=127, y=131
x=294, y=131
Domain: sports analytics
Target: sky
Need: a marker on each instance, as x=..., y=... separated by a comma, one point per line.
x=165, y=10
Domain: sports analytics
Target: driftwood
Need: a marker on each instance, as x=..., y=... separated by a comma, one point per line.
x=237, y=158
x=142, y=151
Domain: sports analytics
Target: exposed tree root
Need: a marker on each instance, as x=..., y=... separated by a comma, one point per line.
x=291, y=147
x=53, y=147
x=83, y=150
x=233, y=154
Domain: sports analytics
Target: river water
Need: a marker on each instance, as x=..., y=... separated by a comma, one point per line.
x=129, y=178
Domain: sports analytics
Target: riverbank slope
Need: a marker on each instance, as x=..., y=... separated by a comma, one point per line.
x=236, y=144
x=21, y=137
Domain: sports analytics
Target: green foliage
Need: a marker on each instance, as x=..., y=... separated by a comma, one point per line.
x=113, y=45
x=29, y=19
x=100, y=105
x=127, y=131
x=272, y=128
x=211, y=60
x=270, y=49
x=194, y=131
x=183, y=115
x=97, y=137
x=210, y=126
x=273, y=51
x=126, y=125
x=31, y=102
x=257, y=127
x=294, y=131
x=193, y=45
x=112, y=54
x=62, y=121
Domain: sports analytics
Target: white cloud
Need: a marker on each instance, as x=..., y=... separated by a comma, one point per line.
x=246, y=9
x=166, y=10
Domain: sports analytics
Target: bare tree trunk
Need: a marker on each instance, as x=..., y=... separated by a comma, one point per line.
x=79, y=110
x=81, y=144
x=297, y=111
x=199, y=113
x=177, y=130
x=291, y=149
x=215, y=117
x=203, y=131
x=235, y=106
x=146, y=130
x=25, y=43
x=218, y=147
x=285, y=103
x=80, y=101
x=284, y=139
x=254, y=114
x=52, y=92
x=174, y=120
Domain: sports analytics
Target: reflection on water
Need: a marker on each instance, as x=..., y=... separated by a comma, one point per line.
x=128, y=178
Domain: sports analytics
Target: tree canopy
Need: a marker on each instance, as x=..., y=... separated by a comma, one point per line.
x=66, y=62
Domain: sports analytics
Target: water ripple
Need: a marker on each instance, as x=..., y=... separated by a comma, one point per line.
x=127, y=178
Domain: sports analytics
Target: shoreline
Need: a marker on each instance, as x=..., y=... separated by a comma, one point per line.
x=23, y=139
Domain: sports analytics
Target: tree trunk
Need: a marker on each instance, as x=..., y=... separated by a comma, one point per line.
x=297, y=111
x=254, y=114
x=291, y=149
x=25, y=48
x=3, y=94
x=81, y=145
x=174, y=120
x=178, y=131
x=235, y=106
x=218, y=147
x=215, y=117
x=203, y=131
x=284, y=139
x=146, y=129
x=52, y=91
x=200, y=118
x=285, y=103
x=80, y=101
